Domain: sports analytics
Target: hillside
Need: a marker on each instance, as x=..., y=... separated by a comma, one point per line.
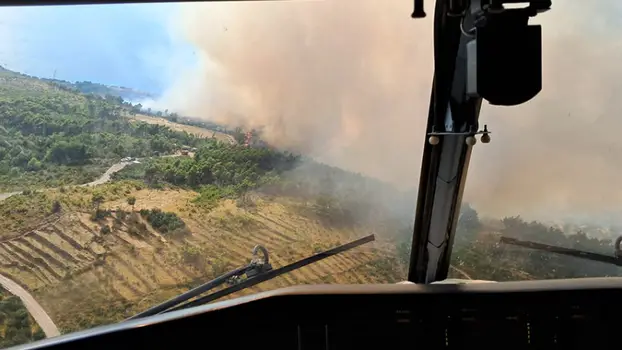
x=88, y=265
x=87, y=272
x=51, y=136
x=96, y=255
x=477, y=250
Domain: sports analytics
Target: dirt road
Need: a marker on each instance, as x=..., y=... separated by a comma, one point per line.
x=37, y=312
x=466, y=275
x=106, y=176
x=6, y=195
x=101, y=180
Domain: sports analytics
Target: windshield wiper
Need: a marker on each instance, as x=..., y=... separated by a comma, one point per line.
x=616, y=259
x=257, y=271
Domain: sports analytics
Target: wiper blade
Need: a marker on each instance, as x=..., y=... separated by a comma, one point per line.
x=609, y=259
x=191, y=293
x=256, y=272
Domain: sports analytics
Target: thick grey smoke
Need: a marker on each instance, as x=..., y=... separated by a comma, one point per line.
x=560, y=153
x=348, y=81
x=344, y=81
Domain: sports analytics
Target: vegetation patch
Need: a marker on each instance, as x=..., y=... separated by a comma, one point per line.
x=229, y=169
x=21, y=213
x=210, y=195
x=16, y=325
x=164, y=222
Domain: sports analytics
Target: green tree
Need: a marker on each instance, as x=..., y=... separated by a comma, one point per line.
x=469, y=219
x=56, y=207
x=38, y=334
x=238, y=135
x=34, y=164
x=97, y=199
x=131, y=201
x=67, y=153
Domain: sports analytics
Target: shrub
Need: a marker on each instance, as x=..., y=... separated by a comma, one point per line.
x=164, y=222
x=56, y=207
x=105, y=230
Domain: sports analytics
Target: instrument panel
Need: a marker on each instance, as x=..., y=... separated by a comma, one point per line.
x=513, y=315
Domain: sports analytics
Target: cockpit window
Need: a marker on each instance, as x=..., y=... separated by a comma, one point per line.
x=146, y=150
x=548, y=176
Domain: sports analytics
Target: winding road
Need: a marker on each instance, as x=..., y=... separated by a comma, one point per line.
x=101, y=180
x=33, y=307
x=108, y=174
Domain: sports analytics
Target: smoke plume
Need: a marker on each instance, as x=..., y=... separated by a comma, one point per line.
x=348, y=82
x=344, y=81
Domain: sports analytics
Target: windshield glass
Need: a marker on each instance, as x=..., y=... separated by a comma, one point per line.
x=550, y=173
x=147, y=149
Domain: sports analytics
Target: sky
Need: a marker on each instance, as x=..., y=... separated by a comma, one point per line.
x=128, y=45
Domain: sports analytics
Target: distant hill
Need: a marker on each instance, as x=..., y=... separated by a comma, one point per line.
x=87, y=87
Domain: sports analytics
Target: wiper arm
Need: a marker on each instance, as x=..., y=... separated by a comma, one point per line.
x=256, y=272
x=200, y=289
x=616, y=259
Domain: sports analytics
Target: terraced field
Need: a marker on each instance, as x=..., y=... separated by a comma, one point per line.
x=84, y=276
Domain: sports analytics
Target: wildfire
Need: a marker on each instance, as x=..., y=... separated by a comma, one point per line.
x=247, y=139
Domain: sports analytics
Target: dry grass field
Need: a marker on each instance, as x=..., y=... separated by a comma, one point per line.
x=85, y=275
x=193, y=130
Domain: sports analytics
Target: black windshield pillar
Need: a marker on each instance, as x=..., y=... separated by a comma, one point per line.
x=444, y=165
x=481, y=50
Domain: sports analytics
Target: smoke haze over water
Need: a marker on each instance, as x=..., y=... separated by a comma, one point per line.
x=348, y=82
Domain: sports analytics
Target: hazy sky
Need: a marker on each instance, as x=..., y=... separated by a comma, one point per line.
x=129, y=45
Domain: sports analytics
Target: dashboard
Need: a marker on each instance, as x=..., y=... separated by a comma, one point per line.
x=510, y=315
